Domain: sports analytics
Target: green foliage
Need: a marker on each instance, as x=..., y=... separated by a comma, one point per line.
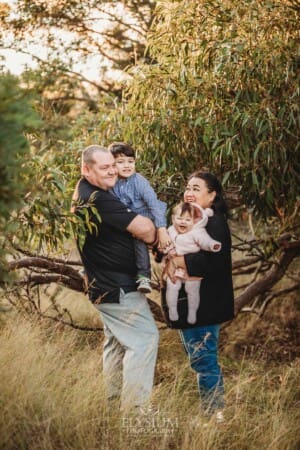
x=45, y=222
x=17, y=117
x=222, y=93
x=39, y=168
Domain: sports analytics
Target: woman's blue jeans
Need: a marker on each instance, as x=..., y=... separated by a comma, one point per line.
x=201, y=345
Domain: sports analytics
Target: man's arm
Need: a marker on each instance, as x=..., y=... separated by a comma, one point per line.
x=142, y=228
x=115, y=214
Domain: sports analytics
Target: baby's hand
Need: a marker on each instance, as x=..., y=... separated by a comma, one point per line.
x=171, y=250
x=164, y=239
x=180, y=273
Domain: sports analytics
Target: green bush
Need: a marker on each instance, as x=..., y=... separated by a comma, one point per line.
x=17, y=117
x=222, y=93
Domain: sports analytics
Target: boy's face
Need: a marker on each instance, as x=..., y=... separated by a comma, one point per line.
x=125, y=165
x=183, y=223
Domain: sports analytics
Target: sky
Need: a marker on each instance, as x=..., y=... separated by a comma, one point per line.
x=16, y=62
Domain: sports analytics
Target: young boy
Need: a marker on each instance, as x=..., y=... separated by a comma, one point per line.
x=136, y=193
x=188, y=235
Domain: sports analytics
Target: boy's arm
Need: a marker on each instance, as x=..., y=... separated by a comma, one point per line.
x=158, y=210
x=156, y=207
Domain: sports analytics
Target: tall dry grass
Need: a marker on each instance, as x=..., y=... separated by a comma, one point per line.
x=51, y=398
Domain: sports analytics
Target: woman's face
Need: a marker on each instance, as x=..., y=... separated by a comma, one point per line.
x=197, y=192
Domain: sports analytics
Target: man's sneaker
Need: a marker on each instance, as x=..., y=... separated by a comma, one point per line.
x=144, y=285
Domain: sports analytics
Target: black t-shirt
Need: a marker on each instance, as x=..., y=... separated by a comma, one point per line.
x=108, y=251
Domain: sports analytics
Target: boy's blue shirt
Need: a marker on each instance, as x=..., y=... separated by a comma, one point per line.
x=137, y=193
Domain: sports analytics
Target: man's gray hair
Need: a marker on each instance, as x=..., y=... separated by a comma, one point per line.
x=89, y=152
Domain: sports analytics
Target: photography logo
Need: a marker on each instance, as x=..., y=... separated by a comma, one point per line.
x=149, y=422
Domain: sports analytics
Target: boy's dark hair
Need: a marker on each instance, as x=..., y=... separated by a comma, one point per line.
x=121, y=148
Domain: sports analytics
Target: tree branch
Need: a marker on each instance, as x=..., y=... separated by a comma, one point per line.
x=64, y=275
x=34, y=280
x=61, y=272
x=48, y=258
x=245, y=262
x=266, y=282
x=260, y=310
x=50, y=266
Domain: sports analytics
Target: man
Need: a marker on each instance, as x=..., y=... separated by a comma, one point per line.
x=131, y=336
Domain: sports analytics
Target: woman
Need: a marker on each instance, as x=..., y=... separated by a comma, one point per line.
x=216, y=292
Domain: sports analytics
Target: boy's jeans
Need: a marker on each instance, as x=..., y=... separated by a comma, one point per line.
x=130, y=349
x=142, y=258
x=201, y=345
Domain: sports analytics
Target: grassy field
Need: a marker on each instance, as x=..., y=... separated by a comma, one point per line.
x=51, y=394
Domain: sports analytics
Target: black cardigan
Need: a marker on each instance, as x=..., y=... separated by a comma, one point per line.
x=216, y=291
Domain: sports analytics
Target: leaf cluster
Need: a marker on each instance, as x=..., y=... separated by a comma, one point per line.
x=17, y=118
x=223, y=94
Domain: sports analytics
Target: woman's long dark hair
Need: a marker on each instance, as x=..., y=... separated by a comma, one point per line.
x=213, y=184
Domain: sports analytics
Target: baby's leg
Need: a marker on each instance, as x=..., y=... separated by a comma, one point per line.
x=172, y=298
x=192, y=289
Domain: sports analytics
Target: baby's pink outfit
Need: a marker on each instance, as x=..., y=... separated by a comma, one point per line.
x=191, y=242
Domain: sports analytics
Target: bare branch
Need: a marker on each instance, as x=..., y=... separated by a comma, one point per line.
x=47, y=264
x=48, y=258
x=34, y=280
x=273, y=295
x=254, y=308
x=78, y=75
x=245, y=262
x=64, y=275
x=266, y=282
x=61, y=272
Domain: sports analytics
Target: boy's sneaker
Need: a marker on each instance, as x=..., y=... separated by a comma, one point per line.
x=144, y=285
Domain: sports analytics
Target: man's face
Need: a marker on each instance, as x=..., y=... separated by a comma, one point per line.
x=125, y=165
x=103, y=172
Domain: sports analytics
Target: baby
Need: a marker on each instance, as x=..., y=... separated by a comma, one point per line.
x=188, y=235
